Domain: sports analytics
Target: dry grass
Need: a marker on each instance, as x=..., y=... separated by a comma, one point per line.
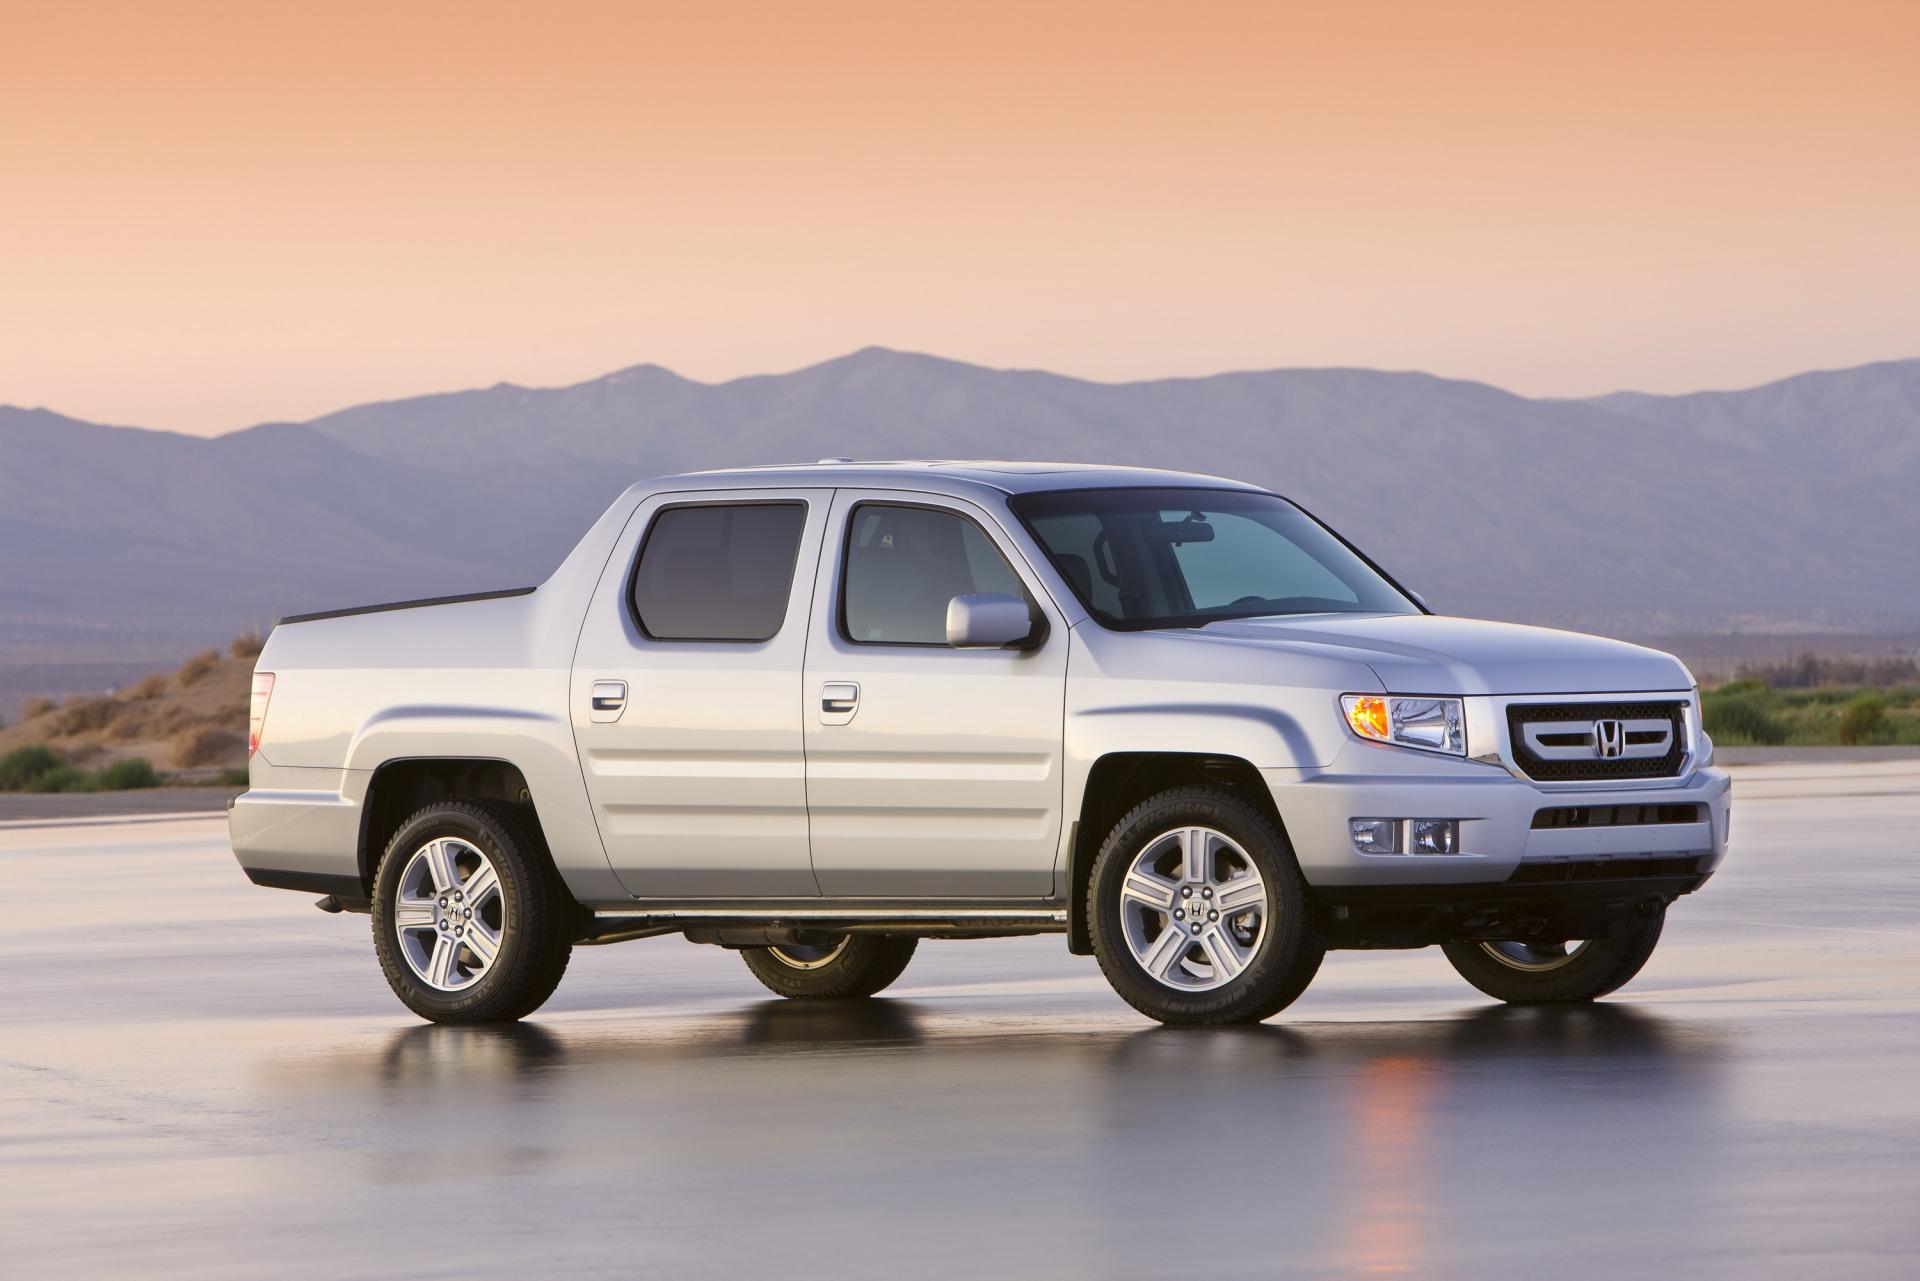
x=38, y=705
x=247, y=645
x=198, y=666
x=148, y=688
x=86, y=716
x=149, y=722
x=207, y=745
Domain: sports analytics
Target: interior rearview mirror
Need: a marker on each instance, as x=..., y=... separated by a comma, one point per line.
x=988, y=620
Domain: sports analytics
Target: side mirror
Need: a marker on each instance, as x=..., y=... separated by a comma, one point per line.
x=988, y=620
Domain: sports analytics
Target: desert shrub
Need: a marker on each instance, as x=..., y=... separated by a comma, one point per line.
x=38, y=705
x=232, y=778
x=86, y=715
x=148, y=688
x=1742, y=716
x=23, y=765
x=1807, y=670
x=147, y=722
x=247, y=645
x=198, y=666
x=63, y=778
x=128, y=773
x=1864, y=720
x=204, y=745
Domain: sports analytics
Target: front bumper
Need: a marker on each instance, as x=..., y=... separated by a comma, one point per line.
x=1496, y=813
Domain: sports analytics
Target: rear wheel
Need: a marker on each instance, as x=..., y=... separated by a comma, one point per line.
x=470, y=921
x=1199, y=913
x=1560, y=973
x=847, y=965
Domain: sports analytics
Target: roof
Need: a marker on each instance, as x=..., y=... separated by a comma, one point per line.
x=944, y=477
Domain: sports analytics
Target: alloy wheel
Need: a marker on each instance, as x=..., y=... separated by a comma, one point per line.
x=449, y=914
x=1194, y=909
x=1535, y=958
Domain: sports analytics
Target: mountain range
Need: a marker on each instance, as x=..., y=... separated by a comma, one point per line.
x=1630, y=513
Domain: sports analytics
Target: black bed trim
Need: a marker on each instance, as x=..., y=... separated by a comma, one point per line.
x=407, y=604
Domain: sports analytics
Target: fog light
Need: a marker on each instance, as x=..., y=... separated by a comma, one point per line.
x=1375, y=835
x=1435, y=836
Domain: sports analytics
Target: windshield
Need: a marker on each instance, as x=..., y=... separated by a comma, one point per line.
x=1140, y=558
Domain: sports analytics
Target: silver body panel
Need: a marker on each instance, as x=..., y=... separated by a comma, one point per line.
x=813, y=768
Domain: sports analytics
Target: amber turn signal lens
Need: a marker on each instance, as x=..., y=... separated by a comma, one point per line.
x=1368, y=716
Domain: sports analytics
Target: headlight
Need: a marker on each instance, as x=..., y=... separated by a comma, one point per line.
x=1430, y=724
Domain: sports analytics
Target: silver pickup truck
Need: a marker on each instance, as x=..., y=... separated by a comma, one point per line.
x=815, y=714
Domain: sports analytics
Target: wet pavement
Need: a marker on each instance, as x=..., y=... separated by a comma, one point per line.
x=202, y=1078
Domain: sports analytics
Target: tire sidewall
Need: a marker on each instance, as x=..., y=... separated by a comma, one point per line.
x=510, y=865
x=1288, y=933
x=867, y=965
x=1605, y=965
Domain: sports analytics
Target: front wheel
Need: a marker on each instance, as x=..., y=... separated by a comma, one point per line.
x=850, y=965
x=470, y=921
x=1199, y=913
x=1560, y=973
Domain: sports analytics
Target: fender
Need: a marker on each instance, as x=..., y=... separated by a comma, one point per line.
x=543, y=752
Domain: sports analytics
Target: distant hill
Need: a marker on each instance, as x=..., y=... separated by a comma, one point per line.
x=1789, y=503
x=191, y=720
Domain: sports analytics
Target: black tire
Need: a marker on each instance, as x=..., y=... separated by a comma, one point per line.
x=853, y=965
x=537, y=934
x=1287, y=956
x=1604, y=965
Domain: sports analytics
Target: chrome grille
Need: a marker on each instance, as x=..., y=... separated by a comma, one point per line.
x=1592, y=742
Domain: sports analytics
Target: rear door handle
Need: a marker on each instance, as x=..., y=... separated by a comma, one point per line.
x=608, y=700
x=839, y=700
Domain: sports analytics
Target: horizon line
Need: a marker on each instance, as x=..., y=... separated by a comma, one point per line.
x=905, y=353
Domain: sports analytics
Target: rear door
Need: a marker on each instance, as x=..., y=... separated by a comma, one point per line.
x=932, y=772
x=686, y=694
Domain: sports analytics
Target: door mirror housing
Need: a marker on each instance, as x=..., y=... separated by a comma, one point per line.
x=989, y=620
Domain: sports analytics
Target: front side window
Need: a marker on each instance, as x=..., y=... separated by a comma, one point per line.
x=904, y=564
x=1140, y=558
x=718, y=571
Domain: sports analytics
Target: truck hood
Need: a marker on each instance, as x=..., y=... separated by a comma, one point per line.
x=1430, y=654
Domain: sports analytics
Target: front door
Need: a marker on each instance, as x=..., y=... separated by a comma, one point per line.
x=685, y=691
x=932, y=772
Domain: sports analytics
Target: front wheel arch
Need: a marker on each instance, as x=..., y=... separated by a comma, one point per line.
x=1116, y=783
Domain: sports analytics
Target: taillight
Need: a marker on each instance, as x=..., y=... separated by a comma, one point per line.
x=257, y=710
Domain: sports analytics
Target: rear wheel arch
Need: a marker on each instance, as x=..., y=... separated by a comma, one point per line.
x=1119, y=781
x=401, y=788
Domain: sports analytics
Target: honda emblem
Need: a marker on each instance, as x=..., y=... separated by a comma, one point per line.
x=1609, y=739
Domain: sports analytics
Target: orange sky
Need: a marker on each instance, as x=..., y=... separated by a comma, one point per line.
x=214, y=214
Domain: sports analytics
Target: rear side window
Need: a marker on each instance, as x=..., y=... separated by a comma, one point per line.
x=905, y=563
x=718, y=572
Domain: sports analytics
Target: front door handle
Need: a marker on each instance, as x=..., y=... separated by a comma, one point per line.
x=839, y=700
x=608, y=700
